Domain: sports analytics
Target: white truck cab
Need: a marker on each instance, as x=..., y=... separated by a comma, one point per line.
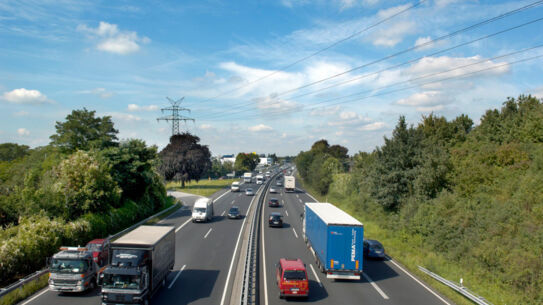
x=235, y=187
x=202, y=210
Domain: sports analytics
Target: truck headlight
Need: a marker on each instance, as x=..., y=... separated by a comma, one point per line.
x=79, y=283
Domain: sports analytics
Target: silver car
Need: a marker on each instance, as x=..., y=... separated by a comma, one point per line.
x=249, y=192
x=273, y=190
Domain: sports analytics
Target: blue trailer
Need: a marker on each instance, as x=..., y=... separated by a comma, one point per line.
x=336, y=240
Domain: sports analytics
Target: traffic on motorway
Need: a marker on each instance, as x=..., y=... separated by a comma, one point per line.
x=310, y=251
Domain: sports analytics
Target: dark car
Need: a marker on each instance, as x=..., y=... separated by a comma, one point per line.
x=234, y=212
x=279, y=183
x=275, y=220
x=100, y=250
x=273, y=202
x=373, y=249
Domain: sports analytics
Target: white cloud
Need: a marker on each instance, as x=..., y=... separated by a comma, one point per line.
x=260, y=127
x=134, y=107
x=23, y=132
x=393, y=34
x=111, y=39
x=271, y=103
x=373, y=126
x=125, y=117
x=427, y=101
x=206, y=126
x=101, y=92
x=25, y=96
x=538, y=92
x=423, y=40
x=430, y=65
x=348, y=118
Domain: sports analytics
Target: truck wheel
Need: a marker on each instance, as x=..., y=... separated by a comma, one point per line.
x=92, y=284
x=146, y=301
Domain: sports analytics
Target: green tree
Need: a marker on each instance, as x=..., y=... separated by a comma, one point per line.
x=184, y=159
x=82, y=130
x=246, y=162
x=12, y=151
x=85, y=185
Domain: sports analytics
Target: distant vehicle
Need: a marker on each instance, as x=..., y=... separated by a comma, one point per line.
x=279, y=183
x=273, y=202
x=247, y=177
x=291, y=278
x=141, y=260
x=100, y=250
x=259, y=179
x=268, y=174
x=73, y=269
x=234, y=212
x=202, y=210
x=273, y=190
x=249, y=192
x=276, y=220
x=335, y=238
x=235, y=187
x=290, y=184
x=373, y=249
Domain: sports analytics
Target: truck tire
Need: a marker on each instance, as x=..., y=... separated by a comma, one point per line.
x=92, y=284
x=146, y=301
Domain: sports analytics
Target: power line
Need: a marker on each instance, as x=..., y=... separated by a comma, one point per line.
x=471, y=27
x=317, y=52
x=394, y=66
x=419, y=78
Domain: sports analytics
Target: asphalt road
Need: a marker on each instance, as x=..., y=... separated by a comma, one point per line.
x=204, y=253
x=384, y=282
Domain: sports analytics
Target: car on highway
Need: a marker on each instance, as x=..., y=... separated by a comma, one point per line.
x=100, y=250
x=291, y=278
x=279, y=183
x=234, y=187
x=273, y=202
x=273, y=190
x=373, y=249
x=249, y=192
x=234, y=213
x=275, y=220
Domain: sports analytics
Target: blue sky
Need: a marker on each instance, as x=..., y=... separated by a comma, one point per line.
x=123, y=58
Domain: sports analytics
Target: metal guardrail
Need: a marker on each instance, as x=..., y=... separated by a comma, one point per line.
x=461, y=289
x=249, y=288
x=34, y=276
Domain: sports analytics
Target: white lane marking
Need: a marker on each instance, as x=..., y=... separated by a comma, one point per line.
x=297, y=196
x=222, y=195
x=416, y=280
x=294, y=232
x=179, y=228
x=239, y=195
x=205, y=236
x=176, y=276
x=37, y=295
x=233, y=201
x=286, y=212
x=300, y=200
x=375, y=286
x=283, y=201
x=234, y=255
x=315, y=274
x=264, y=260
x=223, y=213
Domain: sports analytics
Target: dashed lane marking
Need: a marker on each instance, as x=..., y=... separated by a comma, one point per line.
x=375, y=286
x=315, y=274
x=295, y=234
x=176, y=276
x=205, y=236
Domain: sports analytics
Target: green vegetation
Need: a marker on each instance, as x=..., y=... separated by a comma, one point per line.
x=202, y=188
x=82, y=186
x=27, y=290
x=246, y=162
x=462, y=201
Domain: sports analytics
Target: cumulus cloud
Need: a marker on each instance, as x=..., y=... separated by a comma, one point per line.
x=206, y=126
x=271, y=103
x=393, y=34
x=373, y=126
x=260, y=127
x=430, y=65
x=134, y=107
x=348, y=118
x=23, y=132
x=111, y=39
x=426, y=101
x=25, y=96
x=124, y=117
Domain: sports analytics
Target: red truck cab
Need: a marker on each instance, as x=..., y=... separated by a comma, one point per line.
x=291, y=277
x=100, y=250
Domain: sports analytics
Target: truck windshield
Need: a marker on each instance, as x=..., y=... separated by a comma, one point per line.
x=121, y=281
x=94, y=247
x=200, y=210
x=293, y=275
x=69, y=266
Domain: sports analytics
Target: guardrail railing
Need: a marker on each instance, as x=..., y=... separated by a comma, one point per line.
x=34, y=276
x=249, y=289
x=461, y=289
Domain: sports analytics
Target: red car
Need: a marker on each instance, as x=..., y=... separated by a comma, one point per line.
x=291, y=277
x=100, y=250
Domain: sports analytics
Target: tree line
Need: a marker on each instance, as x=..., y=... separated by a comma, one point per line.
x=472, y=195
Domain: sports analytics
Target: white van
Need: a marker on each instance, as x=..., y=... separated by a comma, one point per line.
x=235, y=187
x=202, y=210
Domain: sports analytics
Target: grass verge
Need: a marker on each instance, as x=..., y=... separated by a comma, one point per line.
x=407, y=251
x=202, y=188
x=24, y=292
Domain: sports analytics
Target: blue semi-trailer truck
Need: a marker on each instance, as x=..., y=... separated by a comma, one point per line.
x=336, y=240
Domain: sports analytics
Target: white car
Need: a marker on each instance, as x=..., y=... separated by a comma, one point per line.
x=273, y=190
x=249, y=192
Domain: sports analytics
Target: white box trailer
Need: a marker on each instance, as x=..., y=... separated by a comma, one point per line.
x=290, y=184
x=247, y=177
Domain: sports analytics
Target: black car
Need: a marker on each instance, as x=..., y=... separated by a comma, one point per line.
x=234, y=212
x=273, y=202
x=373, y=249
x=276, y=220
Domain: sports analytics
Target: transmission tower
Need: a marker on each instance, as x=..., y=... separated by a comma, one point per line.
x=175, y=117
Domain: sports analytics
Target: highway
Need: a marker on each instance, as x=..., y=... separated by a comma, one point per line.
x=204, y=253
x=384, y=282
